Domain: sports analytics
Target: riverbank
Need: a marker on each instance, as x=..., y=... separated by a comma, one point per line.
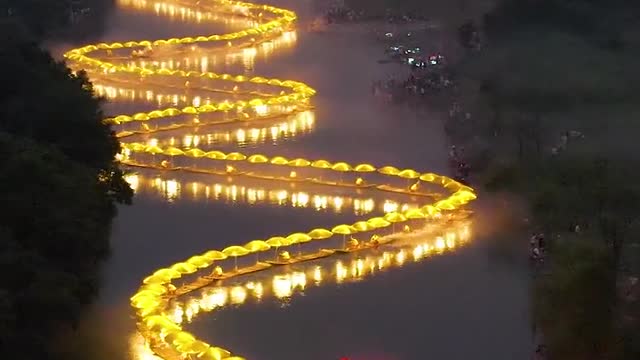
x=538, y=129
x=541, y=124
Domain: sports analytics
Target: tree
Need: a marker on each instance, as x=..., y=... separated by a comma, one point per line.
x=52, y=105
x=575, y=304
x=525, y=79
x=601, y=21
x=553, y=59
x=55, y=223
x=59, y=185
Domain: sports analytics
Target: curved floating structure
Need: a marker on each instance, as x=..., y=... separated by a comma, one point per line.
x=254, y=98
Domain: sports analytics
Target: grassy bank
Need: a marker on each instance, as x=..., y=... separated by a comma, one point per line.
x=554, y=96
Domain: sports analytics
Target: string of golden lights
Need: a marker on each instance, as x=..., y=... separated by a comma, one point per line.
x=273, y=98
x=283, y=285
x=172, y=189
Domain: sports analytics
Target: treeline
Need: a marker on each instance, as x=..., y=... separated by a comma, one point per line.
x=554, y=94
x=47, y=18
x=59, y=185
x=439, y=10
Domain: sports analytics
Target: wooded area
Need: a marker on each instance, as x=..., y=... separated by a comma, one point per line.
x=59, y=185
x=555, y=88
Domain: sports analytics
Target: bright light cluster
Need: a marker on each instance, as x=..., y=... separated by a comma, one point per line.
x=283, y=286
x=158, y=322
x=299, y=93
x=172, y=189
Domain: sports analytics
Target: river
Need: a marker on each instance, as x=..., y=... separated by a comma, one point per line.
x=457, y=305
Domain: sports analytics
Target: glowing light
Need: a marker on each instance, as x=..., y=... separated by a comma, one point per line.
x=390, y=206
x=337, y=203
x=218, y=297
x=282, y=286
x=285, y=286
x=282, y=197
x=238, y=295
x=359, y=267
x=172, y=189
x=299, y=280
x=451, y=240
x=133, y=181
x=139, y=349
x=262, y=110
x=341, y=272
x=418, y=251
x=256, y=289
x=317, y=274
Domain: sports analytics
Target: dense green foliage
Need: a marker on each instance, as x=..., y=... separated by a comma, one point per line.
x=603, y=21
x=59, y=185
x=572, y=189
x=549, y=68
x=55, y=230
x=574, y=305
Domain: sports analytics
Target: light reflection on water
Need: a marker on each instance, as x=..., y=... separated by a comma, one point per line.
x=188, y=58
x=271, y=131
x=177, y=12
x=200, y=58
x=204, y=60
x=172, y=190
x=283, y=286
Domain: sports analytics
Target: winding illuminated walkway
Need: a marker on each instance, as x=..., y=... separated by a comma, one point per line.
x=242, y=99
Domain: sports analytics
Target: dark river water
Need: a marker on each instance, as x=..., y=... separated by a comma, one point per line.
x=464, y=304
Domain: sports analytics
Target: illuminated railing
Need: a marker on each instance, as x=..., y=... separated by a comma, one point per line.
x=152, y=300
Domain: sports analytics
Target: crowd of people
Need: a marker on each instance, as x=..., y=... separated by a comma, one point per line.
x=433, y=78
x=428, y=75
x=427, y=82
x=401, y=89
